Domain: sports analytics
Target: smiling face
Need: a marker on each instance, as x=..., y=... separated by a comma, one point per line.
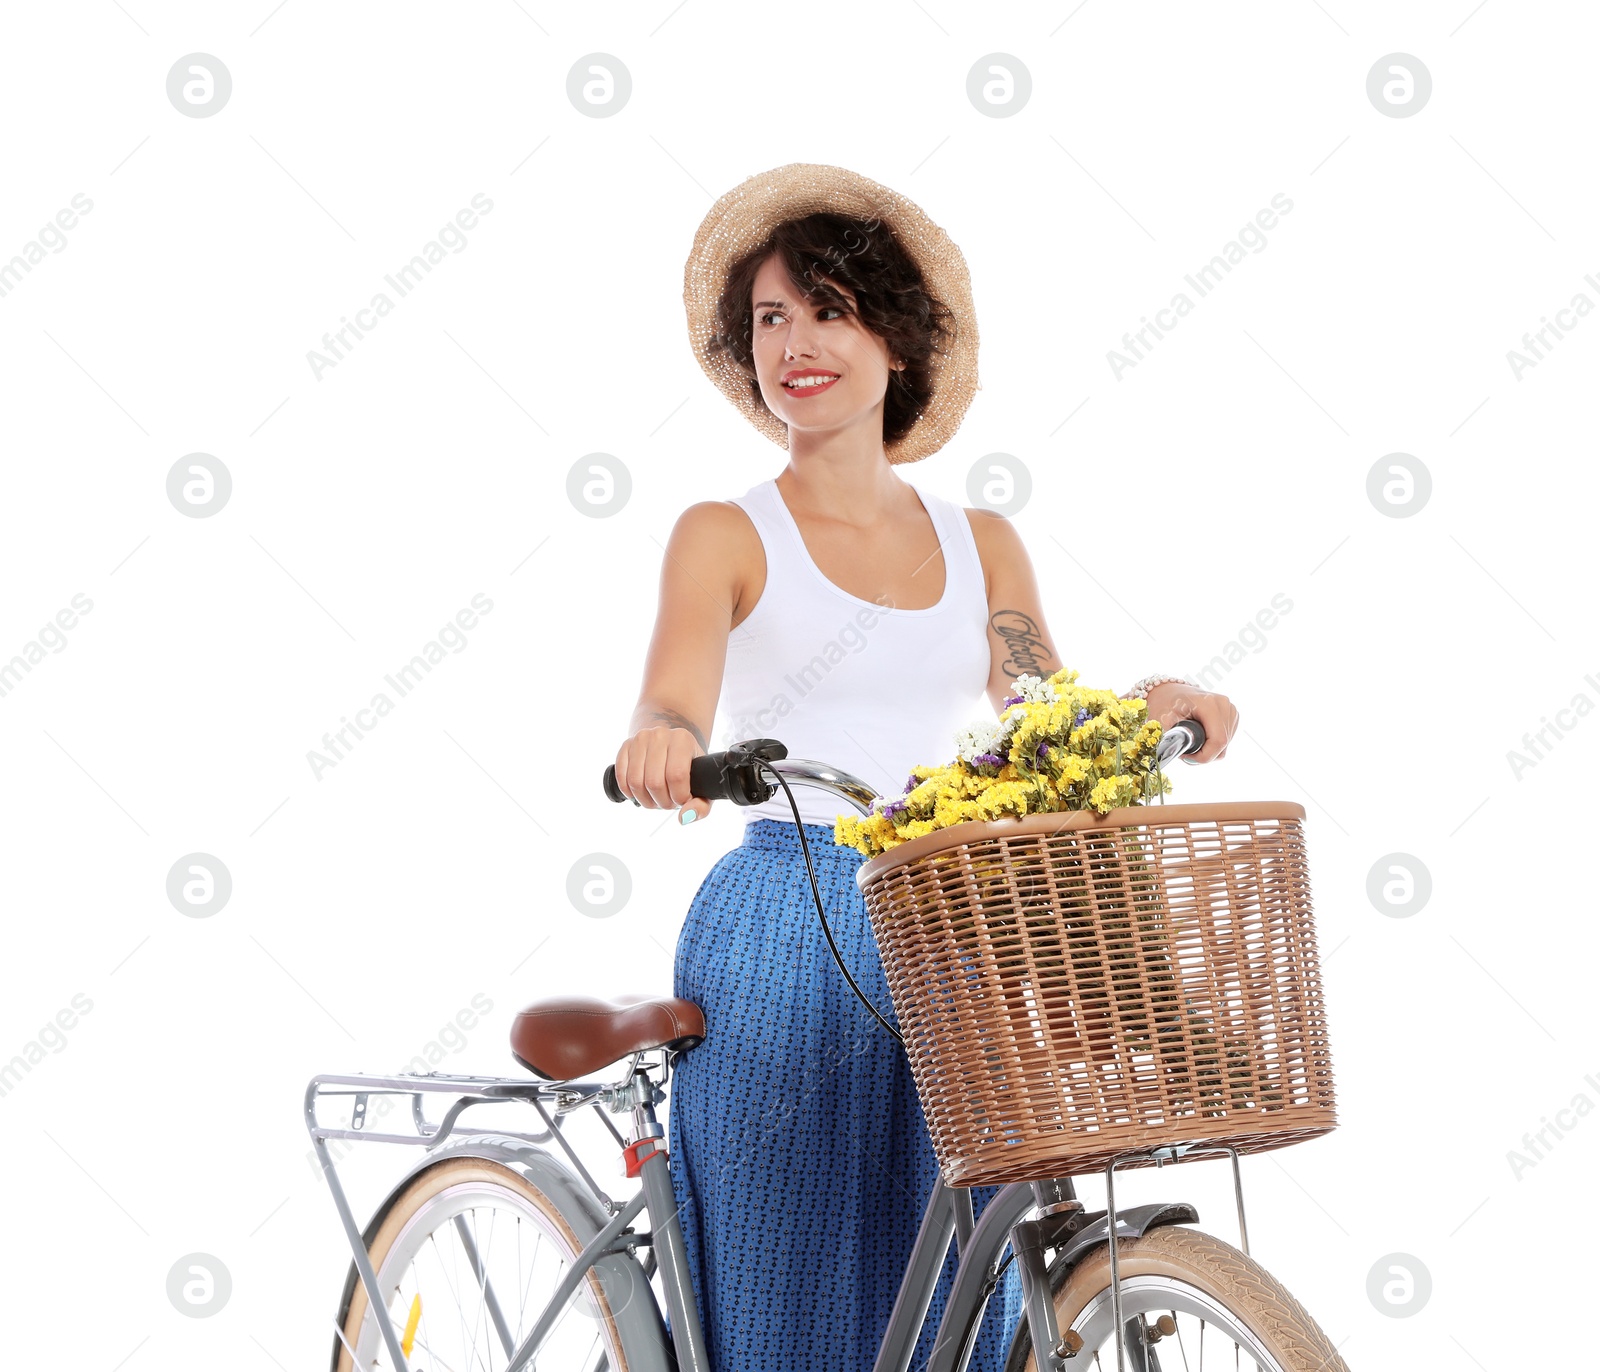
x=793, y=338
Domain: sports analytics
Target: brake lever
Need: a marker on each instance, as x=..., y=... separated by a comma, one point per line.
x=752, y=787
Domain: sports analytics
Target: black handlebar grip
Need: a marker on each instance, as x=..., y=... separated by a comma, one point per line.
x=708, y=778
x=609, y=781
x=733, y=774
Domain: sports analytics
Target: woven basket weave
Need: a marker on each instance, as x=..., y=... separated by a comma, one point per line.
x=1072, y=986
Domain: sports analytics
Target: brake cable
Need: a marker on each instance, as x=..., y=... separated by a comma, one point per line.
x=816, y=896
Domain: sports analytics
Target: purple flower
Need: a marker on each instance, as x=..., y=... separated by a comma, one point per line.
x=1012, y=700
x=1079, y=718
x=1042, y=749
x=894, y=807
x=911, y=785
x=989, y=758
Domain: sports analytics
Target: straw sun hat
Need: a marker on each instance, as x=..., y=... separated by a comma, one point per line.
x=741, y=221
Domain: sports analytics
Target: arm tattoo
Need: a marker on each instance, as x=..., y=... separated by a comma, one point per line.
x=674, y=720
x=1026, y=652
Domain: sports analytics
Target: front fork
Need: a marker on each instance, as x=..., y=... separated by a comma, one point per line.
x=646, y=1158
x=1060, y=1217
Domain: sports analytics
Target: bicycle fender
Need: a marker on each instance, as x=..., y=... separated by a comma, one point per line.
x=1133, y=1222
x=634, y=1309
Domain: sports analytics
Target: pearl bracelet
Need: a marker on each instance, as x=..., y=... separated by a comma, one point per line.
x=1141, y=688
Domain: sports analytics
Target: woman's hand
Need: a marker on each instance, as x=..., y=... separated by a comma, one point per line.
x=652, y=768
x=1172, y=700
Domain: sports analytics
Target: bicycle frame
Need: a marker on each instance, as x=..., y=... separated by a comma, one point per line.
x=610, y=1243
x=605, y=1228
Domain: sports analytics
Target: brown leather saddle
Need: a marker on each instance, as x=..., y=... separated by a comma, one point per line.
x=562, y=1038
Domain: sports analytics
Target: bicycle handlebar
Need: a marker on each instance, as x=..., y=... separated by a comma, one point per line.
x=735, y=774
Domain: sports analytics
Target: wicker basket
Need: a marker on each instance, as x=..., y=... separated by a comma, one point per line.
x=1072, y=986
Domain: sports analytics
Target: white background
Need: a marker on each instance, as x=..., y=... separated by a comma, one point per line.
x=368, y=506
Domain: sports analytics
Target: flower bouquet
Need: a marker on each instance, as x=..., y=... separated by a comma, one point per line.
x=1075, y=934
x=1056, y=746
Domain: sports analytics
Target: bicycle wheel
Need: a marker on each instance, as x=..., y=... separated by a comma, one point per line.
x=1186, y=1297
x=468, y=1257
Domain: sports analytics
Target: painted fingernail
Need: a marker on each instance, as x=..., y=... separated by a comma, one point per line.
x=687, y=816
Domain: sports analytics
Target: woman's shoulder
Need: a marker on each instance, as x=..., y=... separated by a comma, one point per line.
x=996, y=539
x=719, y=529
x=714, y=516
x=714, y=543
x=989, y=528
x=984, y=522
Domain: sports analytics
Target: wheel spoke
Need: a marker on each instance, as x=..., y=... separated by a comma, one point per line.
x=469, y=1246
x=1140, y=1339
x=440, y=1363
x=428, y=1344
x=522, y=1305
x=479, y=1255
x=533, y=1266
x=453, y=1281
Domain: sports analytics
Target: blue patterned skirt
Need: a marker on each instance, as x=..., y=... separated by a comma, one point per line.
x=799, y=1153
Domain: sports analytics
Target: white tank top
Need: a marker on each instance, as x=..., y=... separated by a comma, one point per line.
x=838, y=679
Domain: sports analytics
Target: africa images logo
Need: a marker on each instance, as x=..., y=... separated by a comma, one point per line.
x=1140, y=342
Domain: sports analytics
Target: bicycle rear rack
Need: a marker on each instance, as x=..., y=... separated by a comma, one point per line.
x=565, y=1097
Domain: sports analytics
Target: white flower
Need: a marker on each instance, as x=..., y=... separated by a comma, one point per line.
x=976, y=739
x=1034, y=689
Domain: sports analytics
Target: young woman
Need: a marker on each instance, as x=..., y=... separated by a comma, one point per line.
x=858, y=619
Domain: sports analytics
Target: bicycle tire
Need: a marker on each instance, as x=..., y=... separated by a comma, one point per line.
x=457, y=1180
x=1154, y=1270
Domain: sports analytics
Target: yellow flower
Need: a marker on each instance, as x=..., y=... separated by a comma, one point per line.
x=1052, y=762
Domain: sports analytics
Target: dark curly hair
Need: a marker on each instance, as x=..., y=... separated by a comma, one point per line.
x=892, y=300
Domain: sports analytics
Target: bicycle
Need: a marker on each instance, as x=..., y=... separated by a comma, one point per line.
x=444, y=1255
